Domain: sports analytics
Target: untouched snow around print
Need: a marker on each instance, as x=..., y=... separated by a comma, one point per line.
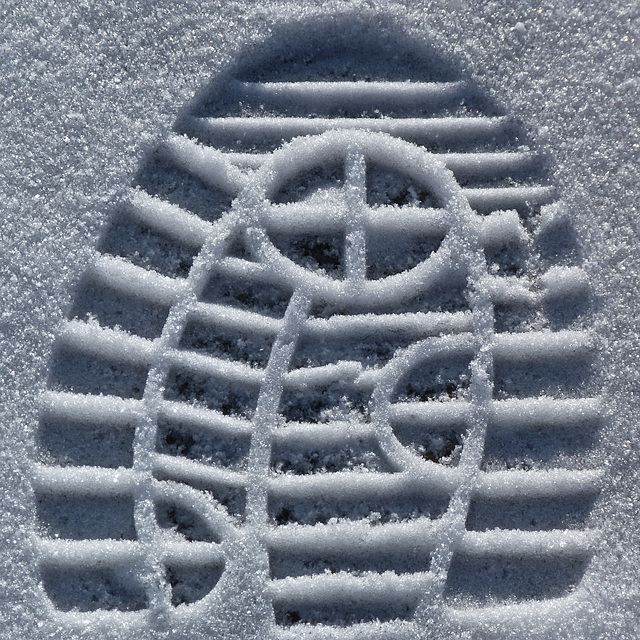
x=258, y=379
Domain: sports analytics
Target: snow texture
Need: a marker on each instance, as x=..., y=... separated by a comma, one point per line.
x=337, y=348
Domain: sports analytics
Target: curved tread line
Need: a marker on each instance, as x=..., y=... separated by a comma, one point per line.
x=264, y=424
x=481, y=389
x=266, y=417
x=147, y=529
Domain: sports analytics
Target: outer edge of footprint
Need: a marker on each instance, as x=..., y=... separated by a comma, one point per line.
x=334, y=350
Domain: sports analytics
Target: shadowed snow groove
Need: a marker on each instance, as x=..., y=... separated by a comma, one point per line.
x=336, y=323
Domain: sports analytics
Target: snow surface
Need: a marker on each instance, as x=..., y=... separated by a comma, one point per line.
x=92, y=88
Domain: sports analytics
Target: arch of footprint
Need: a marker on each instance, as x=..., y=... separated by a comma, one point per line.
x=360, y=361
